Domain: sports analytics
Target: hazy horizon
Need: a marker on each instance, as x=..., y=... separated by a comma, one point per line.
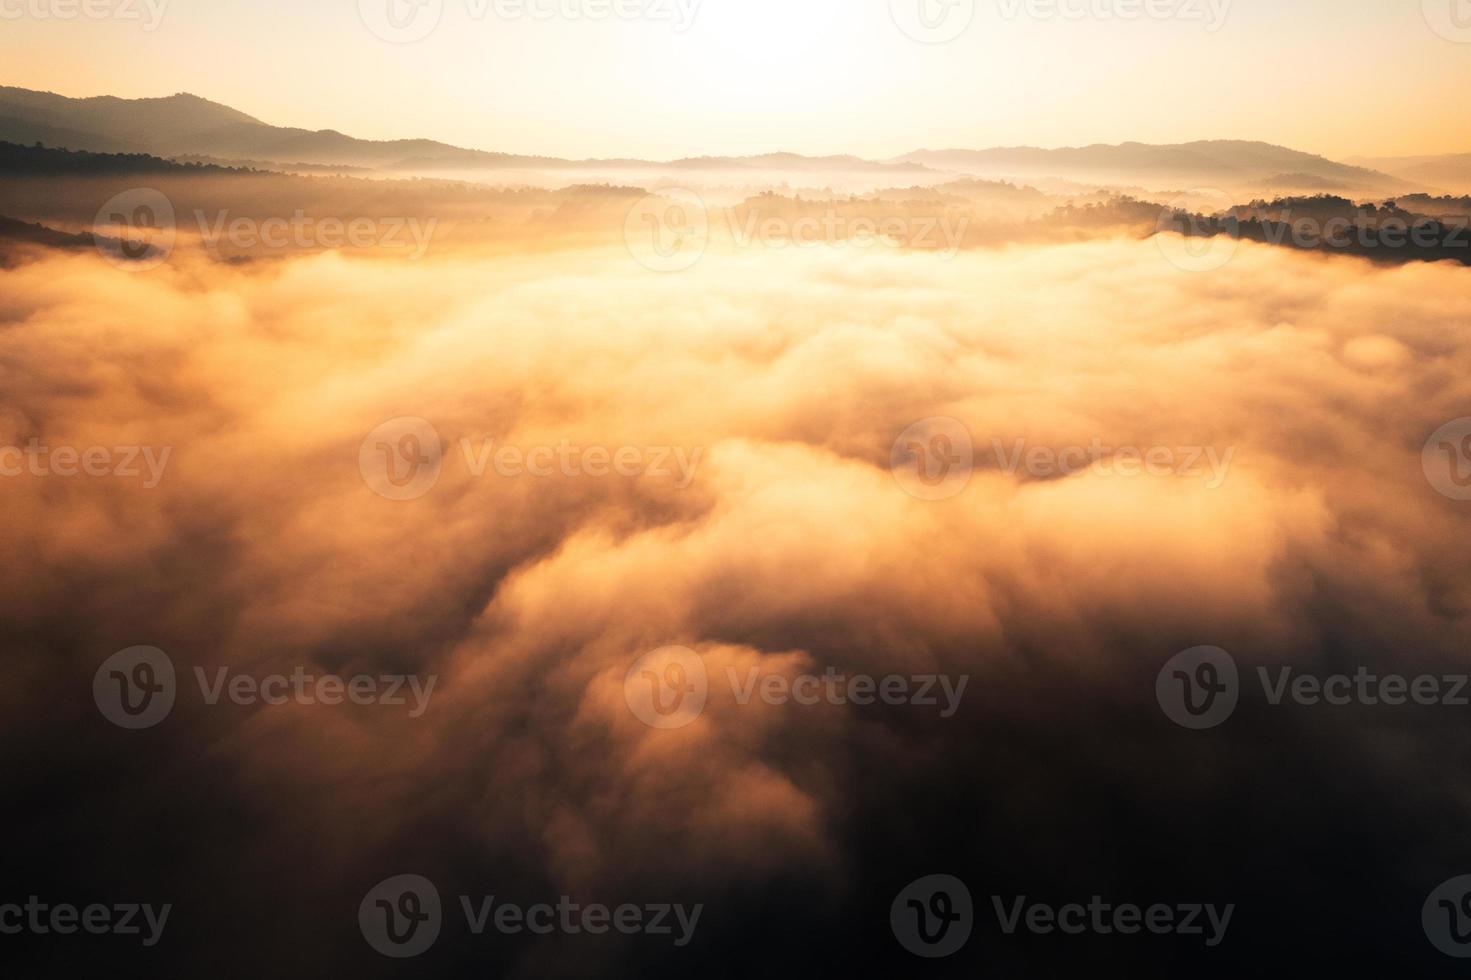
x=695, y=153
x=753, y=76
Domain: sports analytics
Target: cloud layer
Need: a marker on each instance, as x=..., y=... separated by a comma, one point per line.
x=787, y=374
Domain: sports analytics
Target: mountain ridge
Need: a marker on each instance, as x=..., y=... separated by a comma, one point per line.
x=185, y=124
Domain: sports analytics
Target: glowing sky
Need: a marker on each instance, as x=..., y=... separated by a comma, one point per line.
x=1338, y=77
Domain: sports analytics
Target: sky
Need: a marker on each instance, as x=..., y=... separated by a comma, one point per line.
x=669, y=78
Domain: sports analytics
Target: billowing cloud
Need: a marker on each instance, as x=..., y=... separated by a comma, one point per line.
x=756, y=399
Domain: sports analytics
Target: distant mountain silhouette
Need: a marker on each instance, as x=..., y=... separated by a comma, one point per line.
x=1450, y=171
x=1220, y=161
x=185, y=125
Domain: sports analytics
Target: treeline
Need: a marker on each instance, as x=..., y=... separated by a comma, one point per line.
x=1429, y=229
x=41, y=161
